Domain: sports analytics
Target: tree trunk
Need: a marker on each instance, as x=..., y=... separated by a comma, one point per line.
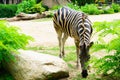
x=112, y=1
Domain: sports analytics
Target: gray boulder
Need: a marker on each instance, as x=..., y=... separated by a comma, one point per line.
x=30, y=65
x=51, y=3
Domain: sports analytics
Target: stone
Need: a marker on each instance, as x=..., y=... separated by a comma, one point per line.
x=51, y=3
x=30, y=65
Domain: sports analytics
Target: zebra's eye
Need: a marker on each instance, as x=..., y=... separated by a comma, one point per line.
x=91, y=43
x=80, y=46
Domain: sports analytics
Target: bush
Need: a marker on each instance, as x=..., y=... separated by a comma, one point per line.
x=82, y=2
x=37, y=8
x=25, y=6
x=74, y=6
x=90, y=9
x=109, y=11
x=5, y=75
x=7, y=10
x=10, y=41
x=116, y=7
x=56, y=7
x=30, y=6
x=110, y=64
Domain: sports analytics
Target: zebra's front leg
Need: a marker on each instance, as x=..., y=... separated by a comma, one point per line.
x=78, y=61
x=77, y=52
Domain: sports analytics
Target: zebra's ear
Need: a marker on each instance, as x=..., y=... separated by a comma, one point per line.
x=91, y=43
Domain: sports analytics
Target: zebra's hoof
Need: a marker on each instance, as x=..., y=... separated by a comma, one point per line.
x=60, y=56
x=84, y=73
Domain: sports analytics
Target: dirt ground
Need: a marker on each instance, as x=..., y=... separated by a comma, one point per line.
x=44, y=33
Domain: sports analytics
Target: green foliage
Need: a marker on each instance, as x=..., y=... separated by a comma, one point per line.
x=37, y=8
x=109, y=11
x=74, y=6
x=90, y=9
x=10, y=41
x=7, y=10
x=110, y=64
x=25, y=6
x=56, y=7
x=4, y=75
x=116, y=7
x=82, y=2
x=30, y=6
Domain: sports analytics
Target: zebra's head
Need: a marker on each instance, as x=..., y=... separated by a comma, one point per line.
x=84, y=49
x=84, y=58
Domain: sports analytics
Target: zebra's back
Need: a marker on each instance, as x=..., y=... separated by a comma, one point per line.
x=64, y=18
x=69, y=21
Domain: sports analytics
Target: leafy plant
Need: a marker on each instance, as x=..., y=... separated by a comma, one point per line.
x=7, y=10
x=109, y=64
x=37, y=8
x=4, y=75
x=90, y=9
x=116, y=7
x=108, y=10
x=74, y=6
x=82, y=2
x=10, y=41
x=56, y=7
x=25, y=6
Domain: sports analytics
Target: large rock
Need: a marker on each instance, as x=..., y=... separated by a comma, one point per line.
x=30, y=65
x=51, y=3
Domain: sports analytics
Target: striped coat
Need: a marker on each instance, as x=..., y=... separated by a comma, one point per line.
x=68, y=22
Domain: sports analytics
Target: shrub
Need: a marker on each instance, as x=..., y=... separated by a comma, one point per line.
x=56, y=7
x=82, y=2
x=116, y=7
x=90, y=9
x=70, y=5
x=108, y=10
x=110, y=64
x=30, y=6
x=25, y=6
x=7, y=10
x=10, y=40
x=37, y=8
x=74, y=6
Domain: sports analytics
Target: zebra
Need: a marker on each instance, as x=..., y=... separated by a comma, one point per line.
x=68, y=22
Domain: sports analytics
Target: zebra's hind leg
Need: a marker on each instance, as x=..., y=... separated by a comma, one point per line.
x=64, y=38
x=59, y=40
